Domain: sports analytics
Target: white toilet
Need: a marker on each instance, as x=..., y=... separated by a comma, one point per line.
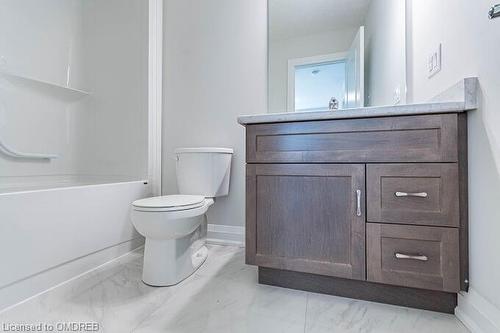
x=171, y=224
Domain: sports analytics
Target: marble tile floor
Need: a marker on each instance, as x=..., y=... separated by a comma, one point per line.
x=222, y=296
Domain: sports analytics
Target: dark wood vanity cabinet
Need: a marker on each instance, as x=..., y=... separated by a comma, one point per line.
x=373, y=200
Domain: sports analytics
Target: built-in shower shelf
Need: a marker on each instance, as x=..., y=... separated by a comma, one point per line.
x=56, y=90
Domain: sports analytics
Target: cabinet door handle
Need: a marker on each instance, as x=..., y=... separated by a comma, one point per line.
x=415, y=194
x=410, y=256
x=358, y=202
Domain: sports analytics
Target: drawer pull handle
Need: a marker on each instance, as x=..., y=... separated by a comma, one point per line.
x=406, y=194
x=410, y=256
x=358, y=202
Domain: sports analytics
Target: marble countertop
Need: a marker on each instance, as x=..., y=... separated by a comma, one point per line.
x=459, y=98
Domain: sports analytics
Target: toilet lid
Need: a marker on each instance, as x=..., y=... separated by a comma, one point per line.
x=171, y=201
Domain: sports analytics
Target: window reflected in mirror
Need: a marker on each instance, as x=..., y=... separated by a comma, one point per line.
x=319, y=86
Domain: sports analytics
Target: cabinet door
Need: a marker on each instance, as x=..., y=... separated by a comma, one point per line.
x=307, y=218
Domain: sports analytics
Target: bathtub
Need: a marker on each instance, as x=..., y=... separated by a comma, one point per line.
x=54, y=228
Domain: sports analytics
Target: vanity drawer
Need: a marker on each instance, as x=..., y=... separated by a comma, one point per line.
x=413, y=256
x=427, y=138
x=423, y=194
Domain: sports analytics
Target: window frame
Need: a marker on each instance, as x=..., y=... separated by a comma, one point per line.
x=307, y=61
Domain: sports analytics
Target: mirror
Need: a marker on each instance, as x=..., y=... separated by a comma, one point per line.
x=335, y=54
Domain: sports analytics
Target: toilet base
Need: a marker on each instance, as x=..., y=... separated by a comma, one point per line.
x=168, y=262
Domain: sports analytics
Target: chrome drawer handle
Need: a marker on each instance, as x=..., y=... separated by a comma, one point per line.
x=406, y=194
x=410, y=256
x=358, y=202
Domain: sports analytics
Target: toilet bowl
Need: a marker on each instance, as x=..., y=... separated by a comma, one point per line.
x=172, y=224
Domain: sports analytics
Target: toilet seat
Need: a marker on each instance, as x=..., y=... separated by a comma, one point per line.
x=169, y=203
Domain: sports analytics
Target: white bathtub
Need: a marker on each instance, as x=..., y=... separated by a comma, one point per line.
x=48, y=235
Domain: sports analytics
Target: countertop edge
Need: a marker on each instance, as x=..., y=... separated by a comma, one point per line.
x=368, y=112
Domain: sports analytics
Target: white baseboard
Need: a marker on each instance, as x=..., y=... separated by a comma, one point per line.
x=23, y=290
x=477, y=313
x=225, y=235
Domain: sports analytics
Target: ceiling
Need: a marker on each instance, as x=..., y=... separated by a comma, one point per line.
x=294, y=18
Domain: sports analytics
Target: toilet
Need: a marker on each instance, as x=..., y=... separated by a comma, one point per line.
x=172, y=224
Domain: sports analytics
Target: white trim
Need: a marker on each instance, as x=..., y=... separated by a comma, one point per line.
x=205, y=150
x=155, y=75
x=477, y=313
x=407, y=96
x=226, y=242
x=225, y=235
x=292, y=63
x=355, y=96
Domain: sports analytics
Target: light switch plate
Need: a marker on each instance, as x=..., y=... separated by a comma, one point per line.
x=434, y=61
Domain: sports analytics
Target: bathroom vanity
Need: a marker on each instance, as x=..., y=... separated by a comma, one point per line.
x=368, y=203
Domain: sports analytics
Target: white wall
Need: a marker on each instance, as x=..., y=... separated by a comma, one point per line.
x=95, y=45
x=280, y=51
x=214, y=70
x=41, y=40
x=470, y=48
x=385, y=52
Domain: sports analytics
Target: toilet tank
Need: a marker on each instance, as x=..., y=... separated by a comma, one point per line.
x=203, y=171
